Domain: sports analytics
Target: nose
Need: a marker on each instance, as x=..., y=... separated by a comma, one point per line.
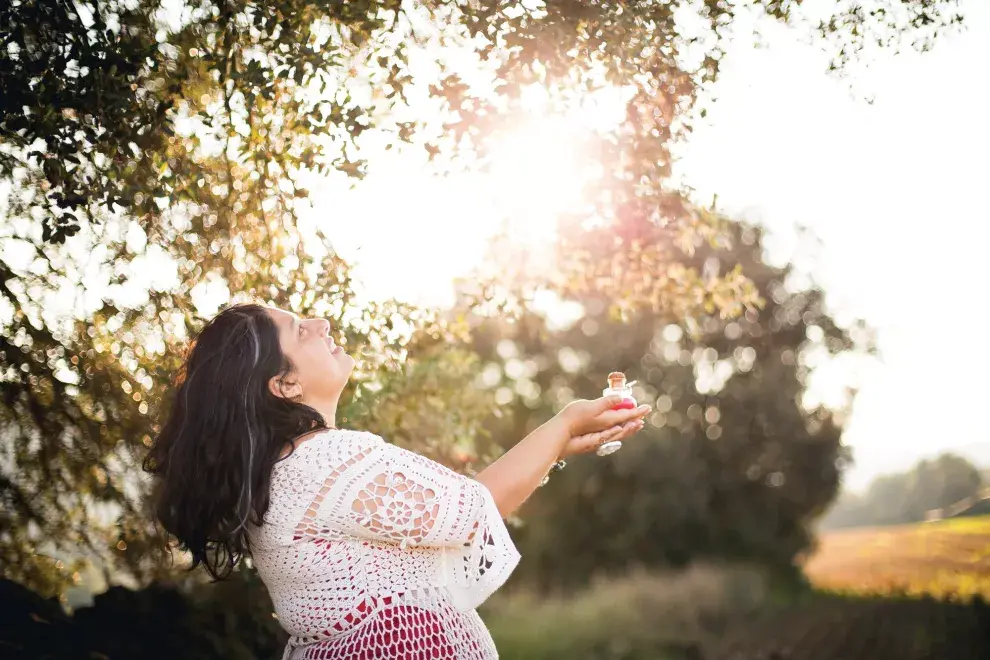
x=324, y=326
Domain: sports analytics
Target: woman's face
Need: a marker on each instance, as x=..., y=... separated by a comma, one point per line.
x=321, y=367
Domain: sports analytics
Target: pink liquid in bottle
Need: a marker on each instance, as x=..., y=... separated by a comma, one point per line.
x=617, y=385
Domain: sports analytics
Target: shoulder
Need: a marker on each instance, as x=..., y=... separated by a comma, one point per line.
x=332, y=445
x=413, y=463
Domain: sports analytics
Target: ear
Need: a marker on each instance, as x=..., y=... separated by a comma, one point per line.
x=285, y=387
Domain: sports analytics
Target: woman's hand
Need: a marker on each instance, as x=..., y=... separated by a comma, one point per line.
x=582, y=416
x=589, y=442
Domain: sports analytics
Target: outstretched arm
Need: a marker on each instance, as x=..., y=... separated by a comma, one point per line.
x=517, y=473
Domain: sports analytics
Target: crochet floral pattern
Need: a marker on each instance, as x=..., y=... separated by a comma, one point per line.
x=370, y=551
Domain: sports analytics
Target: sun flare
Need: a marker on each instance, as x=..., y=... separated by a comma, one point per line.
x=544, y=167
x=538, y=172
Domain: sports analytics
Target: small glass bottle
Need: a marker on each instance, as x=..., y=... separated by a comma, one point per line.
x=617, y=385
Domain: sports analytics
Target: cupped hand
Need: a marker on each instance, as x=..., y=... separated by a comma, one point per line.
x=589, y=442
x=584, y=416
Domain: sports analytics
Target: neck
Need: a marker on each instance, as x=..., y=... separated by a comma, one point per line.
x=326, y=408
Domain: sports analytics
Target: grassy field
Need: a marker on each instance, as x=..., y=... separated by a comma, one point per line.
x=832, y=627
x=733, y=613
x=946, y=559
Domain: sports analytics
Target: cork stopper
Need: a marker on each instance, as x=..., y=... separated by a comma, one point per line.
x=616, y=379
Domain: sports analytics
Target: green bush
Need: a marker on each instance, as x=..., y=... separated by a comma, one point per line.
x=645, y=615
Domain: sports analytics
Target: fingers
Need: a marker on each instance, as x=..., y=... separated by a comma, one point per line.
x=611, y=418
x=606, y=402
x=591, y=441
x=639, y=425
x=628, y=429
x=609, y=433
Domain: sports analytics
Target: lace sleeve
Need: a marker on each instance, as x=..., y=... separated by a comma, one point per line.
x=390, y=494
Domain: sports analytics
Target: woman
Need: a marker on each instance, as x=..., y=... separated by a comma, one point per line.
x=368, y=550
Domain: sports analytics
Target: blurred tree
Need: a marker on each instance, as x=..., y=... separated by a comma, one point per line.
x=731, y=464
x=942, y=482
x=109, y=107
x=909, y=496
x=78, y=417
x=182, y=204
x=168, y=142
x=846, y=511
x=887, y=499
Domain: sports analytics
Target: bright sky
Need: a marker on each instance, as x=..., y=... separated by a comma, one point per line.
x=892, y=189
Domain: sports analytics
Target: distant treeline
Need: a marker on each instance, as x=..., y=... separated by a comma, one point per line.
x=911, y=496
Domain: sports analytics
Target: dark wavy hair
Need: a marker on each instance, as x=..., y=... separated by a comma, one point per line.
x=212, y=461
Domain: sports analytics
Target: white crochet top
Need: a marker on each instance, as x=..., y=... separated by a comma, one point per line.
x=372, y=551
